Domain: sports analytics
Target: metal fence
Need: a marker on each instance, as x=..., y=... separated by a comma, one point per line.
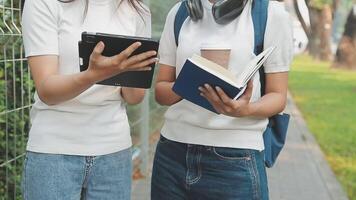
x=15, y=99
x=16, y=93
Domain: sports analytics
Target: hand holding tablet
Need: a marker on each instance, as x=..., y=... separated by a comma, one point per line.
x=118, y=60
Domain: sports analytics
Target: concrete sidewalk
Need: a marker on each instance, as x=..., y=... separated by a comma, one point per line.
x=301, y=172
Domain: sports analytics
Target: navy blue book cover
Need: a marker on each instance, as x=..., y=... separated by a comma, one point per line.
x=192, y=77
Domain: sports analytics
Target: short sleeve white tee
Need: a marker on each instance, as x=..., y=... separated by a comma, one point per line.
x=95, y=122
x=189, y=123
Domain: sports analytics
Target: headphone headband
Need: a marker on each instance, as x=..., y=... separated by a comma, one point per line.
x=195, y=9
x=224, y=11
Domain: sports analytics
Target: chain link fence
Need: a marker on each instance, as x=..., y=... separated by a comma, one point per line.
x=16, y=96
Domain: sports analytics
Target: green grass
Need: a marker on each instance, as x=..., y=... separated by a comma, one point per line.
x=327, y=99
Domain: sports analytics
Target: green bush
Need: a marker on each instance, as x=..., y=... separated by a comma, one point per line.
x=15, y=96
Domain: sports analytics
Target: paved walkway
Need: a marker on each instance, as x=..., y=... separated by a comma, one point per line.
x=301, y=173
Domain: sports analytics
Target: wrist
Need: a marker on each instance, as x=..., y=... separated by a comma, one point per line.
x=84, y=79
x=246, y=111
x=89, y=77
x=251, y=109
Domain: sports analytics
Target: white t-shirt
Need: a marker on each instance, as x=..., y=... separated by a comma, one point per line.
x=95, y=122
x=189, y=123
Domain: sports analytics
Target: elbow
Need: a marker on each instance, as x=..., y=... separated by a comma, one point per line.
x=160, y=98
x=283, y=105
x=276, y=105
x=280, y=110
x=284, y=102
x=133, y=96
x=46, y=99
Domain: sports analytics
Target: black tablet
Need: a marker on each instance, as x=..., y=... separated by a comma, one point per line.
x=114, y=44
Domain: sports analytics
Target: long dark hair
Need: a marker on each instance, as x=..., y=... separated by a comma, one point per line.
x=136, y=4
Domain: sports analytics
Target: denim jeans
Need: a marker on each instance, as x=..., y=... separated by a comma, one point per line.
x=194, y=172
x=66, y=177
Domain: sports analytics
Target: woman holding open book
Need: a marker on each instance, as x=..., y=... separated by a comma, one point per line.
x=79, y=142
x=201, y=154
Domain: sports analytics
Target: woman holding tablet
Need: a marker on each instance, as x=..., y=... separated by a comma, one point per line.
x=203, y=155
x=79, y=142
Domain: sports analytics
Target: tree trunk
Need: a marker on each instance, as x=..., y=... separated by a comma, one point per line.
x=314, y=39
x=325, y=33
x=305, y=27
x=319, y=32
x=335, y=6
x=346, y=52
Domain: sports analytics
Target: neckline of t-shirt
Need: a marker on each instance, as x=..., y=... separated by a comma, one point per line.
x=207, y=4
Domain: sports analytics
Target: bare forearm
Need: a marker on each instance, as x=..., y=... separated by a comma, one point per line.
x=165, y=95
x=60, y=88
x=54, y=88
x=133, y=95
x=269, y=105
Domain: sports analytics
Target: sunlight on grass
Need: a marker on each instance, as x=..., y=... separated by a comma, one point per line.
x=327, y=99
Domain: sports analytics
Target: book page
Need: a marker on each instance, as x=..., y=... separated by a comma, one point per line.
x=253, y=66
x=214, y=69
x=226, y=75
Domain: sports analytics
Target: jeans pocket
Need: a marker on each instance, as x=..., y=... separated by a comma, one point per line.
x=232, y=154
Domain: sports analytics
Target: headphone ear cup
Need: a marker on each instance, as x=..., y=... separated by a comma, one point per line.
x=195, y=9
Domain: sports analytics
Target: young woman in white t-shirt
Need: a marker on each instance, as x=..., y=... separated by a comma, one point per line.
x=202, y=155
x=79, y=142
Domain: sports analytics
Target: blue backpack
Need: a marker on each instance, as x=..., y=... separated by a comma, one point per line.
x=276, y=131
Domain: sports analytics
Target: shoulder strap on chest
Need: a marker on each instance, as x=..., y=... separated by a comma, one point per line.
x=259, y=18
x=181, y=16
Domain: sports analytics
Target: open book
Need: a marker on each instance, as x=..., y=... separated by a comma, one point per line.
x=198, y=71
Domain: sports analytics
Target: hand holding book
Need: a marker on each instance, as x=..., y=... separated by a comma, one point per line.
x=223, y=104
x=198, y=71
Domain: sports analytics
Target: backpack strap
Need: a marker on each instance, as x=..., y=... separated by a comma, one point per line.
x=180, y=18
x=259, y=18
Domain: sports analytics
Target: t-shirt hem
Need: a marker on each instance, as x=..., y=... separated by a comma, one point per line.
x=276, y=69
x=165, y=62
x=78, y=151
x=41, y=53
x=186, y=133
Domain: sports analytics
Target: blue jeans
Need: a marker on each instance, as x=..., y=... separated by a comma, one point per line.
x=194, y=172
x=66, y=177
